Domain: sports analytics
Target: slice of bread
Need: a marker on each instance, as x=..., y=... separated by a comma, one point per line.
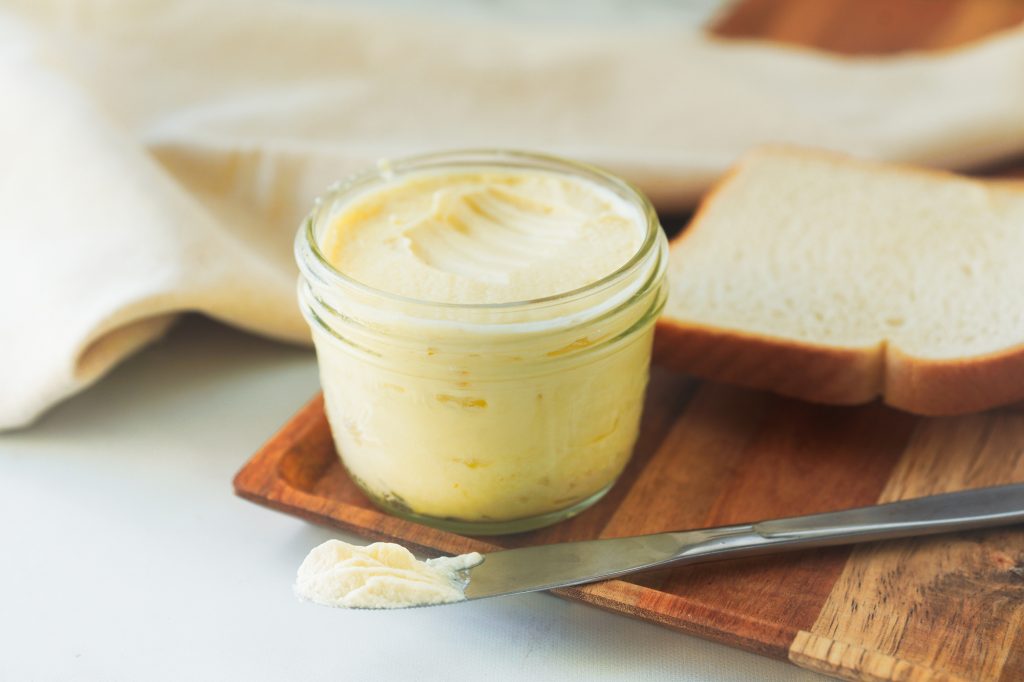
x=835, y=280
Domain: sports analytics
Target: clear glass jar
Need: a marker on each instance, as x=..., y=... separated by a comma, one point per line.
x=483, y=418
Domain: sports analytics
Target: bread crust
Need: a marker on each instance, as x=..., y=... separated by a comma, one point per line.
x=843, y=376
x=837, y=375
x=954, y=386
x=840, y=376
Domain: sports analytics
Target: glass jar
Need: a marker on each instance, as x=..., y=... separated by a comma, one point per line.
x=483, y=418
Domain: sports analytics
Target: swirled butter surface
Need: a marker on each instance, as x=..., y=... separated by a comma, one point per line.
x=483, y=237
x=380, y=576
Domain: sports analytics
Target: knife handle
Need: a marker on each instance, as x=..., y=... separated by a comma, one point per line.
x=979, y=508
x=969, y=509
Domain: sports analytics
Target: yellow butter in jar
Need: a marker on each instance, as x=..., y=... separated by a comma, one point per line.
x=483, y=325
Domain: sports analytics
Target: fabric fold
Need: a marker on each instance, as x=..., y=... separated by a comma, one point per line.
x=158, y=156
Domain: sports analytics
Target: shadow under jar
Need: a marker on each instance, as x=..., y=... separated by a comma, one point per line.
x=483, y=417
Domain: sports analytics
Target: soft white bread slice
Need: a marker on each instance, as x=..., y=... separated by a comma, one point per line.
x=835, y=280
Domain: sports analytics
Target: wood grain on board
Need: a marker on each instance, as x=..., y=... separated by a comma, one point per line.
x=934, y=589
x=943, y=608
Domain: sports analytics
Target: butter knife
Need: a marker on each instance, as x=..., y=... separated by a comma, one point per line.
x=546, y=567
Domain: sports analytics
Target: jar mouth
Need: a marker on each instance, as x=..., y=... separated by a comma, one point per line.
x=315, y=265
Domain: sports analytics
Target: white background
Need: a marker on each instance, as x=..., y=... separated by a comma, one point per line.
x=125, y=556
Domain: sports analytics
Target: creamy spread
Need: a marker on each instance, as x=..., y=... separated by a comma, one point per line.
x=380, y=576
x=486, y=416
x=483, y=237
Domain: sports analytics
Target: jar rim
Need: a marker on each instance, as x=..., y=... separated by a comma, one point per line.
x=387, y=169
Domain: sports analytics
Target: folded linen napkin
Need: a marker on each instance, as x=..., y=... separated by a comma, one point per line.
x=156, y=157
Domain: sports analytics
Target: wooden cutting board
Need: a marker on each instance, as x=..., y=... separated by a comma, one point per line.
x=942, y=608
x=949, y=607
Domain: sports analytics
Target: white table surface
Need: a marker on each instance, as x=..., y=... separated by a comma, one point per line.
x=124, y=554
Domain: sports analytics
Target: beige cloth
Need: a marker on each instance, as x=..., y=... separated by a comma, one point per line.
x=156, y=157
